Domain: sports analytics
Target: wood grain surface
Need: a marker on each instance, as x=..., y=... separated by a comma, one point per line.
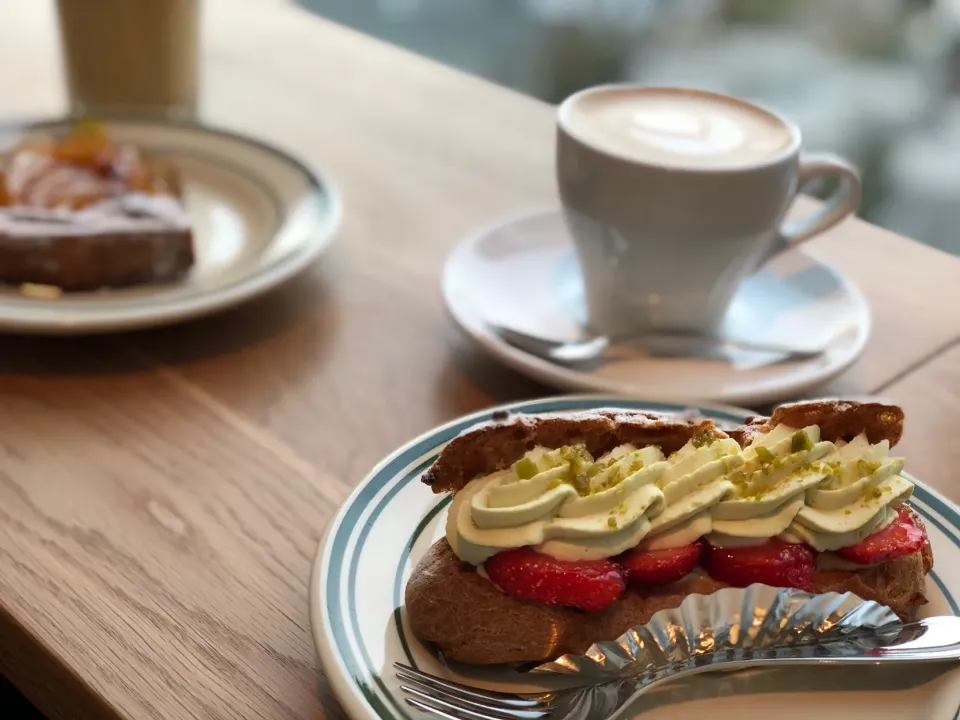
x=930, y=397
x=162, y=493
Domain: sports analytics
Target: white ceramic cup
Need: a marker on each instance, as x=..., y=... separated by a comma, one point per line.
x=663, y=247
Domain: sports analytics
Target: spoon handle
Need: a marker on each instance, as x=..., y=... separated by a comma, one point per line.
x=665, y=344
x=656, y=344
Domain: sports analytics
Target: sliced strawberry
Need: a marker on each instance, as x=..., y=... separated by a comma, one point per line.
x=660, y=567
x=901, y=537
x=528, y=575
x=774, y=563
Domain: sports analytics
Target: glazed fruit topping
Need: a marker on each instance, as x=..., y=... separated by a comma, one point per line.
x=901, y=537
x=660, y=567
x=76, y=171
x=775, y=563
x=528, y=575
x=593, y=585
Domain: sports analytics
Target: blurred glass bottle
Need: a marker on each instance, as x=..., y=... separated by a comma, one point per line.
x=131, y=56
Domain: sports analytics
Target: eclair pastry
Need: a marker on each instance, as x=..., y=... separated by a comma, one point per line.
x=570, y=529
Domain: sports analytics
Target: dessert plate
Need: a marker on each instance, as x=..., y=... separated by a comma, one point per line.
x=387, y=524
x=522, y=273
x=259, y=216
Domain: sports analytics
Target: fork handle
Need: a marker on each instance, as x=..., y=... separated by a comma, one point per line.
x=931, y=640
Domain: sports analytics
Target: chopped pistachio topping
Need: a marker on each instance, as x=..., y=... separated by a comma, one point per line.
x=579, y=467
x=525, y=468
x=764, y=456
x=800, y=441
x=703, y=438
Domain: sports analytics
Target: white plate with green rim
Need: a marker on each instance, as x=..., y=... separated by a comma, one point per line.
x=387, y=524
x=258, y=215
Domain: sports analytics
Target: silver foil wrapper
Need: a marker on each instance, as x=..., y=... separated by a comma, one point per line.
x=727, y=620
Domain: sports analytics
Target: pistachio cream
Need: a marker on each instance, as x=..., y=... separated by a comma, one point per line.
x=768, y=490
x=787, y=483
x=562, y=502
x=858, y=497
x=695, y=480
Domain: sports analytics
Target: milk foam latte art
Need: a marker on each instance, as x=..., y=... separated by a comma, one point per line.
x=677, y=128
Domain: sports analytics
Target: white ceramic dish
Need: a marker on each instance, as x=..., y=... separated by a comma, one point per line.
x=391, y=519
x=522, y=273
x=259, y=216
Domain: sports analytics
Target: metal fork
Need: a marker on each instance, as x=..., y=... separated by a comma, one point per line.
x=930, y=640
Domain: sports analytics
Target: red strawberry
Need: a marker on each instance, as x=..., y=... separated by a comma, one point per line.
x=901, y=537
x=528, y=575
x=660, y=567
x=774, y=563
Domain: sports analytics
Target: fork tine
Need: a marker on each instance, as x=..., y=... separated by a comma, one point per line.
x=453, y=702
x=449, y=711
x=463, y=692
x=529, y=708
x=405, y=672
x=429, y=709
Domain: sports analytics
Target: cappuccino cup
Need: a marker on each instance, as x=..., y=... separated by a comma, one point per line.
x=674, y=196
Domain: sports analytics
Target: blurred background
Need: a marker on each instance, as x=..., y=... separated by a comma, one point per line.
x=875, y=80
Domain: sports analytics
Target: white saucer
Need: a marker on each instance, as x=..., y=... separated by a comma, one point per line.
x=259, y=216
x=522, y=273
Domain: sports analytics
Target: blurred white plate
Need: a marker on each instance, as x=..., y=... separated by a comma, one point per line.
x=259, y=216
x=391, y=519
x=522, y=273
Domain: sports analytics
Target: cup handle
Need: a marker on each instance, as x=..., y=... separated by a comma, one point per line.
x=837, y=207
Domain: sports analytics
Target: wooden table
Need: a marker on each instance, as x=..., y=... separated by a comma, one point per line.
x=162, y=493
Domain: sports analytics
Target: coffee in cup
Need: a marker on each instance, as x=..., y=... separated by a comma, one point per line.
x=677, y=129
x=674, y=196
x=131, y=56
